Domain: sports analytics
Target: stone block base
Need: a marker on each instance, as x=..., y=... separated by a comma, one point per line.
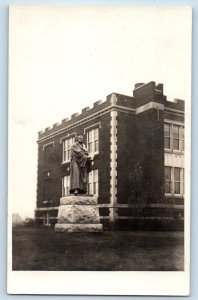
x=78, y=214
x=78, y=227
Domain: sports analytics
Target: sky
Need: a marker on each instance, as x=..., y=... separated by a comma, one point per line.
x=63, y=58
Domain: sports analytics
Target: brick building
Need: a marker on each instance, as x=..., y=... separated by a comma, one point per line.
x=138, y=170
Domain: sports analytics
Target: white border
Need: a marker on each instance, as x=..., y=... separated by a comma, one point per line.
x=108, y=283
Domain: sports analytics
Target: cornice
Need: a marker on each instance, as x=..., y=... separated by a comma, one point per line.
x=108, y=110
x=173, y=111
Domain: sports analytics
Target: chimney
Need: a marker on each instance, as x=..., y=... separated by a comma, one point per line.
x=137, y=85
x=159, y=87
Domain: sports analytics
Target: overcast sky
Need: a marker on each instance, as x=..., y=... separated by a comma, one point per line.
x=64, y=58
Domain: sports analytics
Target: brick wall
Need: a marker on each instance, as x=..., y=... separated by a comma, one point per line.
x=150, y=152
x=149, y=92
x=51, y=169
x=126, y=154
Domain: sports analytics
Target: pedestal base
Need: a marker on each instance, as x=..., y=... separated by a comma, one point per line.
x=78, y=228
x=78, y=214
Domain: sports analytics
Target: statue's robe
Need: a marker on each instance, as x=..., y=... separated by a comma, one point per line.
x=79, y=168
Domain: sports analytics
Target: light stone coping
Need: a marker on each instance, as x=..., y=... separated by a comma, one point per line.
x=78, y=228
x=79, y=200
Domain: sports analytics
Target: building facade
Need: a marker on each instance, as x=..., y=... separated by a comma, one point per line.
x=138, y=147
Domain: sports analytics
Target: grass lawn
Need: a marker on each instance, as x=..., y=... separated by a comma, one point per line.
x=45, y=249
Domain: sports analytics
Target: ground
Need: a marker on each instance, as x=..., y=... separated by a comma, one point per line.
x=45, y=249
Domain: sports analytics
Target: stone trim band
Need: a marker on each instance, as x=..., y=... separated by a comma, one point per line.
x=113, y=162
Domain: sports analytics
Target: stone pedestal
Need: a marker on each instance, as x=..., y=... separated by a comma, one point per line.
x=78, y=214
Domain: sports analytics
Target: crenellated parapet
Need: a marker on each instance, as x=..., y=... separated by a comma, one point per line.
x=177, y=104
x=143, y=96
x=56, y=125
x=48, y=129
x=76, y=117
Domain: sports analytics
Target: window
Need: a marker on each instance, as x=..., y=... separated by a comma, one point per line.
x=173, y=137
x=167, y=136
x=177, y=181
x=48, y=190
x=49, y=157
x=167, y=180
x=46, y=219
x=65, y=185
x=93, y=140
x=176, y=137
x=67, y=149
x=182, y=138
x=93, y=182
x=174, y=181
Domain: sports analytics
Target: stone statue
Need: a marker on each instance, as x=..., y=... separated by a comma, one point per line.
x=80, y=166
x=79, y=214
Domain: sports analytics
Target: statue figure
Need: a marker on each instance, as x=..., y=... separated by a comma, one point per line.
x=80, y=166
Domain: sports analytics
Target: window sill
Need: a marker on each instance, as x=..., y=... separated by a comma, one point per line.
x=178, y=151
x=65, y=162
x=93, y=153
x=173, y=151
x=174, y=196
x=68, y=161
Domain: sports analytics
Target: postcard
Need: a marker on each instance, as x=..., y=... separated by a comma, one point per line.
x=99, y=149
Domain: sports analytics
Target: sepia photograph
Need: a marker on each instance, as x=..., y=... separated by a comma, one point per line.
x=99, y=149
